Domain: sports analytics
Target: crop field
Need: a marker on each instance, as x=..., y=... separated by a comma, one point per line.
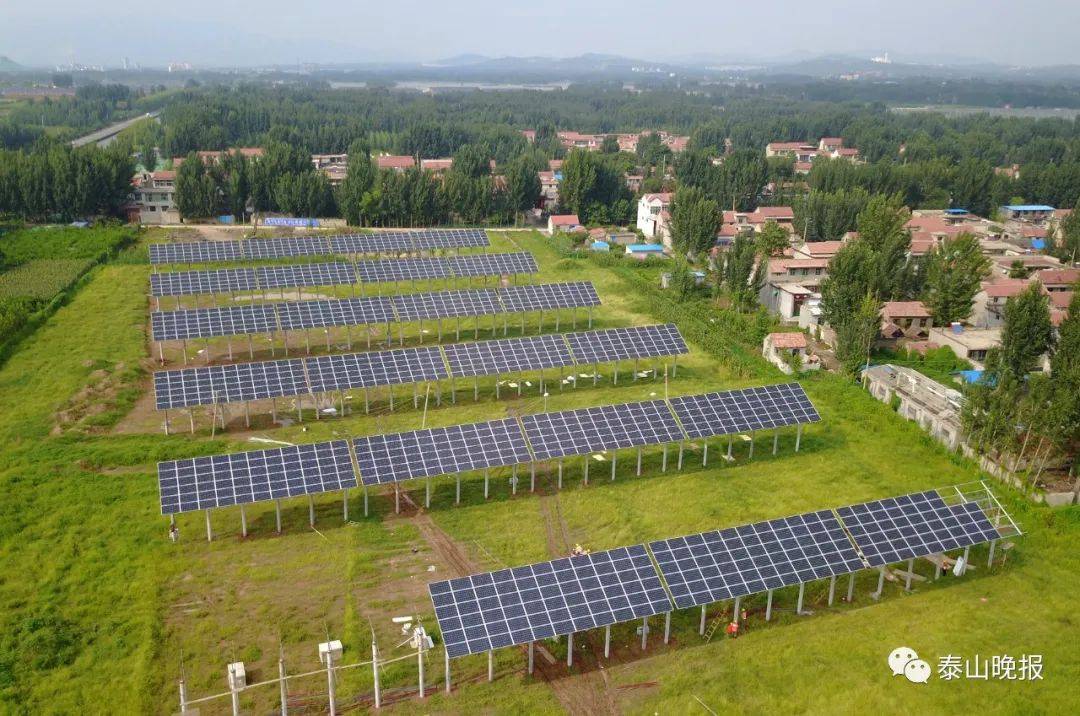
x=101, y=613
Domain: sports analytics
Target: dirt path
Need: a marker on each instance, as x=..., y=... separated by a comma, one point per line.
x=584, y=692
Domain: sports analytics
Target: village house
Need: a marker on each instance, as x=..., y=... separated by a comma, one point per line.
x=437, y=166
x=396, y=162
x=334, y=166
x=563, y=223
x=783, y=349
x=154, y=198
x=804, y=153
x=970, y=344
x=654, y=216
x=905, y=319
x=549, y=190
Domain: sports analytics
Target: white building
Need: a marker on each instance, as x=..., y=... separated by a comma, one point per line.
x=654, y=217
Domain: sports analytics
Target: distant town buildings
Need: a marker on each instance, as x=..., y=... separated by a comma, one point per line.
x=805, y=153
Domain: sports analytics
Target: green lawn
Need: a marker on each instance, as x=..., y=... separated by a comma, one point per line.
x=97, y=608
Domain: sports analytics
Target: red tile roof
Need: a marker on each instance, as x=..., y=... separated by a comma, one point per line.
x=565, y=220
x=1061, y=299
x=787, y=340
x=391, y=161
x=1006, y=288
x=905, y=309
x=1058, y=277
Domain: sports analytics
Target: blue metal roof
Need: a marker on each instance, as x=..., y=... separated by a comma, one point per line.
x=956, y=212
x=1028, y=207
x=638, y=248
x=1038, y=244
x=600, y=246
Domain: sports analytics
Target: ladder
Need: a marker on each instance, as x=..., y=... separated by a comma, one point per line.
x=714, y=625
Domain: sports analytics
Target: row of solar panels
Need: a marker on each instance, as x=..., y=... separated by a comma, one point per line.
x=368, y=310
x=324, y=374
x=208, y=482
x=202, y=252
x=521, y=605
x=338, y=273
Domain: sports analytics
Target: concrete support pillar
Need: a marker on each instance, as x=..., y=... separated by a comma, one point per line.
x=832, y=589
x=768, y=606
x=802, y=593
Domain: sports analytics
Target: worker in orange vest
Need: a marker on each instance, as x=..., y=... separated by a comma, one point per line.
x=733, y=629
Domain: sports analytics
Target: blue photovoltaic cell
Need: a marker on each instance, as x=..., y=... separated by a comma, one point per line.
x=488, y=611
x=723, y=564
x=736, y=411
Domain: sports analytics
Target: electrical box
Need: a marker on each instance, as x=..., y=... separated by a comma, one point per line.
x=333, y=648
x=237, y=676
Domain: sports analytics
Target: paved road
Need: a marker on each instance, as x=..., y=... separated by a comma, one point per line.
x=102, y=137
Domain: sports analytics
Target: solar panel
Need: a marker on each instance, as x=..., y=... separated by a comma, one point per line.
x=521, y=262
x=208, y=322
x=723, y=564
x=591, y=347
x=439, y=451
x=735, y=411
x=433, y=239
x=205, y=482
x=391, y=270
x=334, y=273
x=548, y=296
x=285, y=247
x=915, y=525
x=294, y=315
x=196, y=283
x=379, y=243
x=368, y=370
x=195, y=252
x=609, y=427
x=521, y=605
x=446, y=304
x=504, y=356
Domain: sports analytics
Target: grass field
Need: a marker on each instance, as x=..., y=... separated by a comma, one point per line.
x=98, y=608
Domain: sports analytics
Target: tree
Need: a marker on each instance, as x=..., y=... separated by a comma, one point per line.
x=196, y=191
x=1027, y=332
x=472, y=161
x=695, y=220
x=881, y=227
x=851, y=276
x=954, y=272
x=522, y=185
x=148, y=155
x=855, y=334
x=593, y=188
x=610, y=145
x=1067, y=245
x=742, y=281
x=1065, y=372
x=359, y=180
x=772, y=240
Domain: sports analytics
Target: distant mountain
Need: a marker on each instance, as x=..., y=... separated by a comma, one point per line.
x=9, y=65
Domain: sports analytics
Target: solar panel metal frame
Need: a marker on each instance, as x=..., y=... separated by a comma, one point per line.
x=548, y=296
x=377, y=243
x=378, y=368
x=195, y=252
x=212, y=322
x=723, y=564
x=285, y=247
x=331, y=273
x=488, y=611
x=203, y=483
x=597, y=429
x=455, y=303
x=432, y=240
x=896, y=529
x=736, y=411
x=191, y=283
x=615, y=344
x=508, y=264
x=396, y=457
x=396, y=270
x=507, y=355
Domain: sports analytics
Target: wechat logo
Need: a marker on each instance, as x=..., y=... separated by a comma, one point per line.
x=905, y=661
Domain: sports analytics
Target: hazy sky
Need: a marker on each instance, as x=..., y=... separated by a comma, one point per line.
x=244, y=32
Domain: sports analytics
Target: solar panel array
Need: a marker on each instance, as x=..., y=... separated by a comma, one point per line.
x=591, y=347
x=487, y=611
x=397, y=457
x=736, y=411
x=208, y=385
x=205, y=482
x=369, y=310
x=609, y=427
x=275, y=248
x=338, y=273
x=915, y=525
x=521, y=605
x=723, y=564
